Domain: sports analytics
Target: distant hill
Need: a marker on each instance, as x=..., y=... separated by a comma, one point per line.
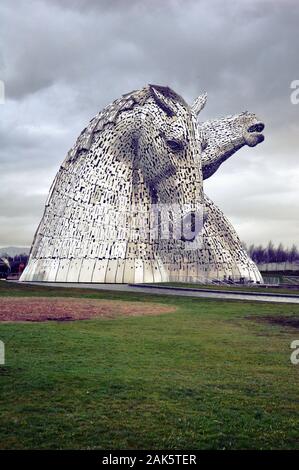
x=14, y=250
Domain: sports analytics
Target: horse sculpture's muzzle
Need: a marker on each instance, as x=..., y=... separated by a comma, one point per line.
x=254, y=135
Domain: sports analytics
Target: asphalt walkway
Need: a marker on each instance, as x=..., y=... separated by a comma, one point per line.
x=179, y=291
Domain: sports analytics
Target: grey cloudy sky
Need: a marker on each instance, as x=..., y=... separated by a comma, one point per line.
x=62, y=61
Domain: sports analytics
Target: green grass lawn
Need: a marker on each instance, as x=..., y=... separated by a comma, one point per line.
x=204, y=377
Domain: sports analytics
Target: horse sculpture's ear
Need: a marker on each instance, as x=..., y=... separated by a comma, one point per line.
x=163, y=101
x=199, y=103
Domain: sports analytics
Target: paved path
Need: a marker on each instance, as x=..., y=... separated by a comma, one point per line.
x=185, y=292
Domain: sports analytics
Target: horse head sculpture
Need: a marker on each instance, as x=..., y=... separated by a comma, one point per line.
x=222, y=256
x=141, y=150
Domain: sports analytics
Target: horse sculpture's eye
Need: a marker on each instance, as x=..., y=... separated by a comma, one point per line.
x=175, y=145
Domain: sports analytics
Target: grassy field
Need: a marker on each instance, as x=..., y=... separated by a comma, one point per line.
x=208, y=376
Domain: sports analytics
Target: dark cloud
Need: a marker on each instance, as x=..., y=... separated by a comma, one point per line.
x=63, y=61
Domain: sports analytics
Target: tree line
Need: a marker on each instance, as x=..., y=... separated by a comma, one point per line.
x=272, y=254
x=12, y=264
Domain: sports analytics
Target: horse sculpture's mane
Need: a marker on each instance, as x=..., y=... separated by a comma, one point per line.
x=108, y=115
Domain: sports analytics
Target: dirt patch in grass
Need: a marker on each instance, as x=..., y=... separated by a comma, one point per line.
x=38, y=309
x=288, y=321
